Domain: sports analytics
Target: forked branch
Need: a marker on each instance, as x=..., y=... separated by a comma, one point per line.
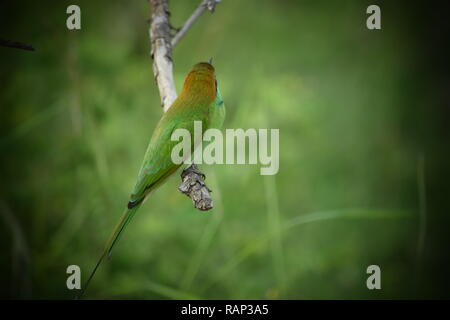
x=204, y=5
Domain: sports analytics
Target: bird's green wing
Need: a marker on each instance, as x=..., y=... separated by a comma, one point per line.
x=158, y=163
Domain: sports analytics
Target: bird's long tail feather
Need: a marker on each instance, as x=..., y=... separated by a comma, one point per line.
x=124, y=221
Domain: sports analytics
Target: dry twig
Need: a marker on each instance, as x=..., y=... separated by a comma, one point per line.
x=205, y=4
x=17, y=45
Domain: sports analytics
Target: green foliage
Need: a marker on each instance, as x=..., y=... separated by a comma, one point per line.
x=78, y=112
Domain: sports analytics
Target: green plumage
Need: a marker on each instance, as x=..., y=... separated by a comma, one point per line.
x=200, y=100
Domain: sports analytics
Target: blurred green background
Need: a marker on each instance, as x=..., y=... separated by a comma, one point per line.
x=362, y=154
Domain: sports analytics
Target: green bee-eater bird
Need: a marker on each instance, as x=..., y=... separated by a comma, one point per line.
x=200, y=100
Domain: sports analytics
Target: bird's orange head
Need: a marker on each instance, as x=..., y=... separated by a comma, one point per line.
x=200, y=82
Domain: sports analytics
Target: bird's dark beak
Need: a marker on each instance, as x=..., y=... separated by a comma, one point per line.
x=210, y=61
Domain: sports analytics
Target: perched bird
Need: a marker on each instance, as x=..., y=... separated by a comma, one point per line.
x=200, y=100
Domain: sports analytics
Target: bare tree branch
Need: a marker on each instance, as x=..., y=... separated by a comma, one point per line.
x=161, y=52
x=17, y=45
x=193, y=185
x=205, y=4
x=193, y=181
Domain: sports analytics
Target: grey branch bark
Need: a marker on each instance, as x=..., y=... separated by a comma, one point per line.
x=161, y=52
x=193, y=181
x=16, y=44
x=193, y=185
x=205, y=4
